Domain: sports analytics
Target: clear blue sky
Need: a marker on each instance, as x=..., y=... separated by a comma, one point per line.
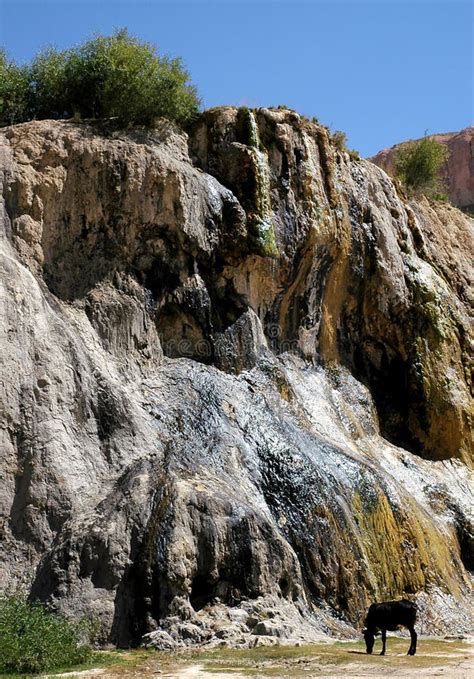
x=381, y=70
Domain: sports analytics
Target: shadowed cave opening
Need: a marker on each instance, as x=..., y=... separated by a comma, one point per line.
x=284, y=587
x=391, y=385
x=202, y=592
x=230, y=587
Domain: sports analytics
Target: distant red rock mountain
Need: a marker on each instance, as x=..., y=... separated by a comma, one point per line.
x=458, y=170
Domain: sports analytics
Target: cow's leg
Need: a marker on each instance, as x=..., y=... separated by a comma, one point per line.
x=413, y=635
x=384, y=639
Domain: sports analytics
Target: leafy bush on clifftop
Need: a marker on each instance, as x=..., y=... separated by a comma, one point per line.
x=106, y=77
x=14, y=91
x=34, y=640
x=418, y=164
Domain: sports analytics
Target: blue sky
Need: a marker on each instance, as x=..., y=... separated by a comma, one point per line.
x=381, y=70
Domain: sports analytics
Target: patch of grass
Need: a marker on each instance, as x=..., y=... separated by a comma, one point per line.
x=117, y=662
x=341, y=658
x=316, y=659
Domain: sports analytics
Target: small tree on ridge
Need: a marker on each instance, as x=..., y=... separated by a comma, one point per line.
x=418, y=165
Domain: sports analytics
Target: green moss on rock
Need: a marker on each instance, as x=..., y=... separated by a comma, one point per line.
x=247, y=128
x=261, y=229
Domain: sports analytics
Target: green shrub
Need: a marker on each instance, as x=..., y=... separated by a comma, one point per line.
x=47, y=79
x=339, y=139
x=120, y=77
x=106, y=77
x=14, y=92
x=34, y=640
x=418, y=163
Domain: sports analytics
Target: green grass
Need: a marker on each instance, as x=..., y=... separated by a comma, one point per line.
x=344, y=658
x=314, y=659
x=116, y=661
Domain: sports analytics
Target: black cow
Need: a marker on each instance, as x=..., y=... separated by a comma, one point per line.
x=390, y=615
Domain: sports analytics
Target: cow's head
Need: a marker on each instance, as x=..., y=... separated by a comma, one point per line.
x=369, y=637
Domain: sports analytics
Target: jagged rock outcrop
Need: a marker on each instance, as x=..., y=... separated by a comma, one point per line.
x=457, y=174
x=235, y=381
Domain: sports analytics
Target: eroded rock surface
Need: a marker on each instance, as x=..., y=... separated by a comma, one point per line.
x=235, y=382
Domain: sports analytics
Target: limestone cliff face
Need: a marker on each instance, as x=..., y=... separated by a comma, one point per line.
x=235, y=380
x=457, y=173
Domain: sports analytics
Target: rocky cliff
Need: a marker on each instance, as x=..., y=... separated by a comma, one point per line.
x=457, y=174
x=235, y=382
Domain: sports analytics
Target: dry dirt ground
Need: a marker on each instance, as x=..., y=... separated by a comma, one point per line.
x=435, y=658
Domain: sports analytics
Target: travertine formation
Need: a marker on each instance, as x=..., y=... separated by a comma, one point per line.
x=235, y=382
x=457, y=174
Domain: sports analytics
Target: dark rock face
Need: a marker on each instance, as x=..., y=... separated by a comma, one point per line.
x=213, y=346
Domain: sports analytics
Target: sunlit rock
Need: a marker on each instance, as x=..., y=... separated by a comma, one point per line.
x=200, y=435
